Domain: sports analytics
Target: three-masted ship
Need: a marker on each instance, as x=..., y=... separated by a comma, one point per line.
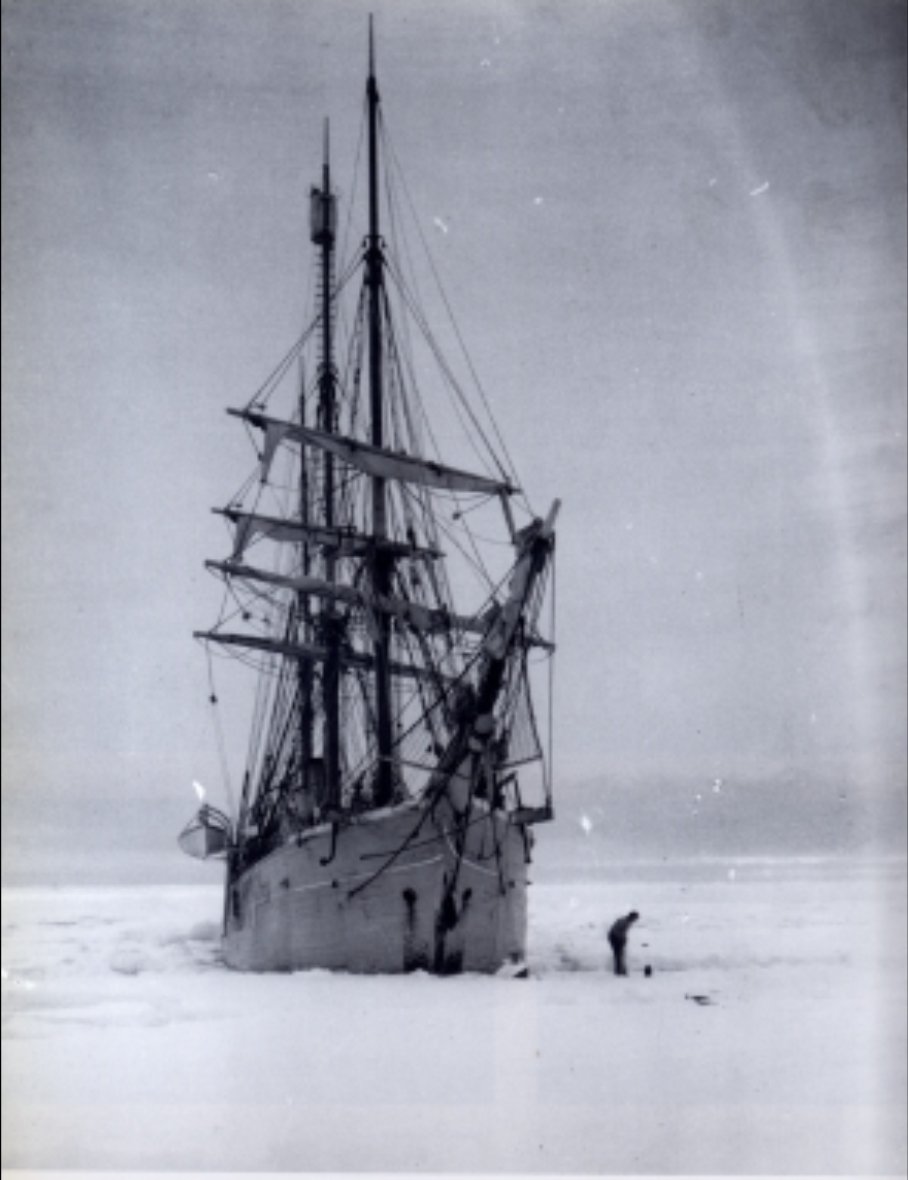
x=385, y=817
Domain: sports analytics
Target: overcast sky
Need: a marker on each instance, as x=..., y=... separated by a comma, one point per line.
x=675, y=243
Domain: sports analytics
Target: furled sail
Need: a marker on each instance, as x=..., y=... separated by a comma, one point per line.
x=348, y=658
x=371, y=460
x=423, y=618
x=344, y=542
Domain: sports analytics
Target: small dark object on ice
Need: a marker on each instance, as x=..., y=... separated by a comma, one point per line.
x=703, y=1000
x=647, y=971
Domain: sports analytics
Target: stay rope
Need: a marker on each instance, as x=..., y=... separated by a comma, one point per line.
x=468, y=359
x=220, y=740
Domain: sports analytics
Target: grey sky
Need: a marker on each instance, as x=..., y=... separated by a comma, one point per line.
x=675, y=244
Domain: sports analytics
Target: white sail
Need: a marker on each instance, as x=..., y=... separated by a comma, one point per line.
x=423, y=618
x=344, y=542
x=347, y=657
x=371, y=460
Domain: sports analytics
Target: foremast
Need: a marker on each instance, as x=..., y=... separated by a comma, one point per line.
x=323, y=227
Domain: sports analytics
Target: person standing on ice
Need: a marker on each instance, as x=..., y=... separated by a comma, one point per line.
x=617, y=937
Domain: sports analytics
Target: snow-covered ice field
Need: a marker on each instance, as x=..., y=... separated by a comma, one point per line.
x=127, y=1045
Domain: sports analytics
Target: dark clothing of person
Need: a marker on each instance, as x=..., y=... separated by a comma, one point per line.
x=617, y=937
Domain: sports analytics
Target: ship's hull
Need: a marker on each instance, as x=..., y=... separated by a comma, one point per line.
x=403, y=889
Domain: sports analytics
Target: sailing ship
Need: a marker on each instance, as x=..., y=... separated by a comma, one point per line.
x=386, y=814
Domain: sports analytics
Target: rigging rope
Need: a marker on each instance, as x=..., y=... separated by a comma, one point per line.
x=274, y=378
x=219, y=739
x=423, y=324
x=479, y=387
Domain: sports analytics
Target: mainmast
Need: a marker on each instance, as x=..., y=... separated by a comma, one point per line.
x=324, y=218
x=381, y=560
x=303, y=613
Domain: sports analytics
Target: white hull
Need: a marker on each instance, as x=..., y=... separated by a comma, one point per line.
x=347, y=900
